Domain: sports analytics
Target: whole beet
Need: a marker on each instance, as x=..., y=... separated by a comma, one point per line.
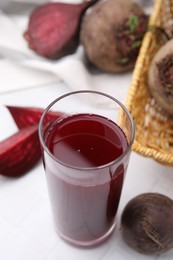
x=53, y=28
x=111, y=34
x=147, y=223
x=160, y=77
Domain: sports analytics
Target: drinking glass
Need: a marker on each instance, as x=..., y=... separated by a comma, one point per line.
x=86, y=138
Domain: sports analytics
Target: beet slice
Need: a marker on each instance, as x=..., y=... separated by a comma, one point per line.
x=27, y=116
x=53, y=29
x=20, y=152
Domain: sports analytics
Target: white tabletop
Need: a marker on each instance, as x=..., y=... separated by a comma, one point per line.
x=26, y=226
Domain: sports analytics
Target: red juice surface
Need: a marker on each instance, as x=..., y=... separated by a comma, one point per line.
x=85, y=212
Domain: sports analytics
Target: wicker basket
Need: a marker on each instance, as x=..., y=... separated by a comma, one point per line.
x=154, y=130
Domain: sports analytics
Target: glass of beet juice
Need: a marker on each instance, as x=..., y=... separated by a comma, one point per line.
x=85, y=153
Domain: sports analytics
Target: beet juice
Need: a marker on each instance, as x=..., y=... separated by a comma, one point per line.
x=84, y=185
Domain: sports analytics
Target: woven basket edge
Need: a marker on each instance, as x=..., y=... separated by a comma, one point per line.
x=165, y=159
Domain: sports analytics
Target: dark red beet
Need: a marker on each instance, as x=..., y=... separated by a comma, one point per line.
x=20, y=152
x=53, y=29
x=147, y=223
x=28, y=116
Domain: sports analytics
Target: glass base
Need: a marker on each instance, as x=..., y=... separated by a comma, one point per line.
x=91, y=242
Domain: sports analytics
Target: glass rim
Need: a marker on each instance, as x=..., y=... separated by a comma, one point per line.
x=43, y=144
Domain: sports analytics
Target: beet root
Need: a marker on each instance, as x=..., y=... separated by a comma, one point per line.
x=160, y=77
x=112, y=33
x=28, y=116
x=20, y=152
x=147, y=223
x=53, y=28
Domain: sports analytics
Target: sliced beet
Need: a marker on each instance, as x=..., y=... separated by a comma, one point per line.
x=53, y=29
x=28, y=116
x=20, y=152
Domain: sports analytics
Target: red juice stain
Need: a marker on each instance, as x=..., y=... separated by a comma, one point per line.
x=85, y=212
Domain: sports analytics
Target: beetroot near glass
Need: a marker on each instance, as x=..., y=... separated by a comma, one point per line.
x=85, y=155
